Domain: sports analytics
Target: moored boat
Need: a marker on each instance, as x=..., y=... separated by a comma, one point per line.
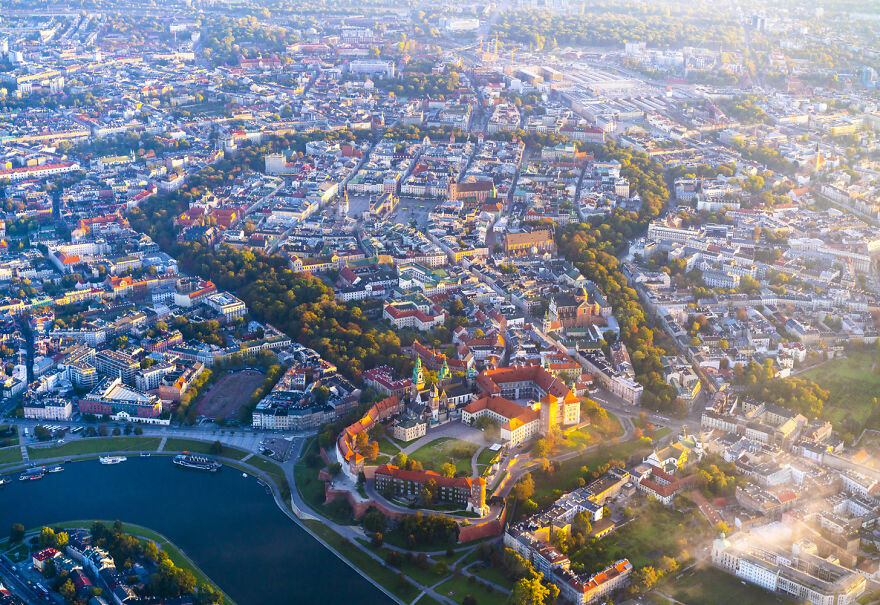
x=32, y=474
x=112, y=459
x=197, y=461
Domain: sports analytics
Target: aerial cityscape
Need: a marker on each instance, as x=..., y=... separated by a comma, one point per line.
x=524, y=302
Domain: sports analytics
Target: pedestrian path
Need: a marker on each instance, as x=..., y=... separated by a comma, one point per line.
x=24, y=453
x=248, y=457
x=162, y=444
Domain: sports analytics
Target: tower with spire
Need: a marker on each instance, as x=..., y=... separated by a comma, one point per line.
x=344, y=205
x=418, y=379
x=434, y=403
x=444, y=375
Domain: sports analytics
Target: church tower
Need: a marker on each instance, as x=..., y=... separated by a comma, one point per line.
x=434, y=403
x=418, y=379
x=444, y=375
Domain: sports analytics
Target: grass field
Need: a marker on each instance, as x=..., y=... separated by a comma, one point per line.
x=486, y=456
x=433, y=455
x=655, y=532
x=490, y=573
x=852, y=384
x=570, y=470
x=388, y=448
x=95, y=446
x=385, y=576
x=661, y=433
x=709, y=586
x=18, y=553
x=459, y=587
x=201, y=447
x=8, y=455
x=273, y=470
x=230, y=393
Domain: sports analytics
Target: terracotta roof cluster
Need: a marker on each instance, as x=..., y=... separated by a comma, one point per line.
x=489, y=380
x=433, y=359
x=663, y=484
x=379, y=411
x=396, y=313
x=517, y=415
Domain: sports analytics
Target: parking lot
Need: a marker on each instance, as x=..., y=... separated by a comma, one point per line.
x=276, y=448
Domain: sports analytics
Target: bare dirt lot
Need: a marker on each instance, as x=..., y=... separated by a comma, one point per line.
x=230, y=393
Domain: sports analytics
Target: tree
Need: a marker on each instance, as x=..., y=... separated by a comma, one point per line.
x=67, y=590
x=469, y=599
x=668, y=565
x=151, y=551
x=530, y=591
x=42, y=433
x=528, y=507
x=447, y=469
x=581, y=524
x=646, y=577
x=541, y=449
x=16, y=534
x=216, y=448
x=371, y=451
x=334, y=469
x=49, y=568
x=47, y=537
x=525, y=487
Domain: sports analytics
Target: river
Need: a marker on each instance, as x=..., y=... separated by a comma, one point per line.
x=226, y=523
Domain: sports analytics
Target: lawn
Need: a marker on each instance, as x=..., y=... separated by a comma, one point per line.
x=8, y=455
x=447, y=449
x=426, y=577
x=853, y=386
x=95, y=446
x=655, y=532
x=661, y=433
x=486, y=456
x=565, y=479
x=459, y=587
x=385, y=576
x=19, y=553
x=490, y=573
x=709, y=586
x=202, y=447
x=388, y=448
x=273, y=470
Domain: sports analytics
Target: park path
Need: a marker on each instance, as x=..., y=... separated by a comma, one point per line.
x=24, y=453
x=474, y=470
x=248, y=457
x=162, y=444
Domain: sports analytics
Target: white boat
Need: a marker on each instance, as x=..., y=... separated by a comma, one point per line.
x=112, y=459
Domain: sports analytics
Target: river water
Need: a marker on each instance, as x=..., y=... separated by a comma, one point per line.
x=226, y=523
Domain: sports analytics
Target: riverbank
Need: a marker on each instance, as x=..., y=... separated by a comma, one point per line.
x=223, y=521
x=174, y=552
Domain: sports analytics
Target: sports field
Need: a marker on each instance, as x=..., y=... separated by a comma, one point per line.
x=230, y=393
x=853, y=384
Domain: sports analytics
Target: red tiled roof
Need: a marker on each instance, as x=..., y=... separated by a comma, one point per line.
x=422, y=476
